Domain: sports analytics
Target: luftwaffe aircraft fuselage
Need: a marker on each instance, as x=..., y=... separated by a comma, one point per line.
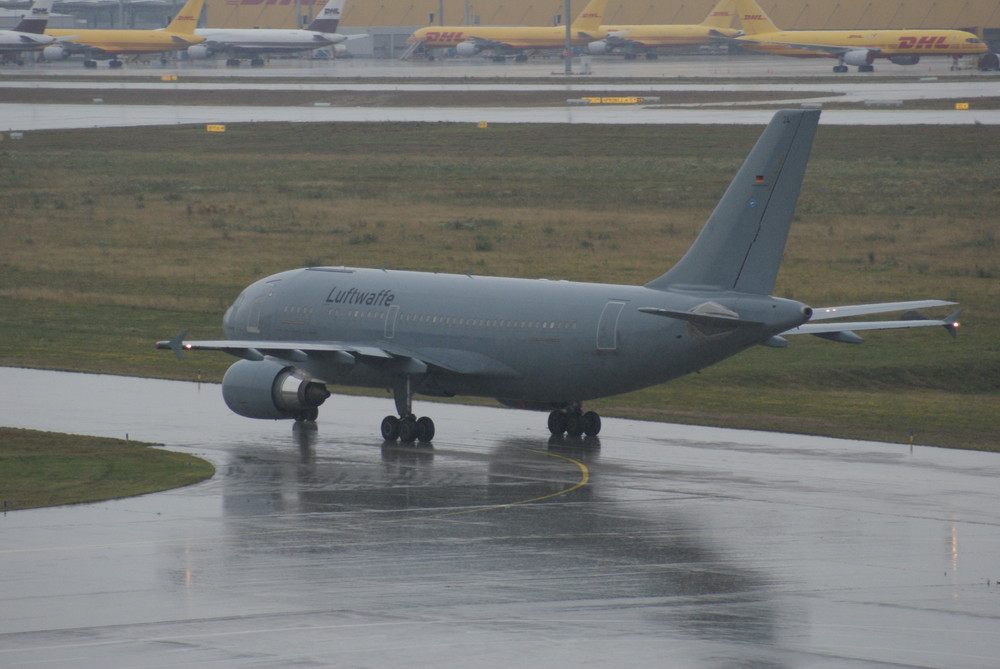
x=536, y=344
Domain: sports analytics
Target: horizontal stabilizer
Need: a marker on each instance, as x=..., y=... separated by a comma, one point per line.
x=850, y=311
x=824, y=328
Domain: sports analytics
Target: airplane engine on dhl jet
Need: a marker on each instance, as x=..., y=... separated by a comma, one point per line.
x=859, y=57
x=55, y=52
x=466, y=49
x=270, y=390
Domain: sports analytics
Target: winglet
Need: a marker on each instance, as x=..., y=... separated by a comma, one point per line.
x=951, y=323
x=176, y=345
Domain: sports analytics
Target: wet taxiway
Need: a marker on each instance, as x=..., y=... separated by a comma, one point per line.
x=658, y=545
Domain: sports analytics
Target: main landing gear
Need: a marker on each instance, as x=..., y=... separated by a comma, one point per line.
x=407, y=428
x=574, y=423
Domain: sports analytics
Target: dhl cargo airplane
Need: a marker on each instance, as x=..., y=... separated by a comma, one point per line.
x=851, y=47
x=238, y=43
x=647, y=39
x=537, y=344
x=29, y=33
x=505, y=40
x=111, y=43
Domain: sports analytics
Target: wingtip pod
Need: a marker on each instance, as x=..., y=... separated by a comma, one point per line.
x=741, y=244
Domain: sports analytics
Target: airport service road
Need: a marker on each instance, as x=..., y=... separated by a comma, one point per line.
x=26, y=117
x=658, y=545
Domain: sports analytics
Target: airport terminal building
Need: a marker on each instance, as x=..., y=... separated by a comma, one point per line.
x=390, y=22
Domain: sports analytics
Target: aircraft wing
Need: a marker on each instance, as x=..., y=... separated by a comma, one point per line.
x=833, y=50
x=409, y=361
x=844, y=331
x=484, y=43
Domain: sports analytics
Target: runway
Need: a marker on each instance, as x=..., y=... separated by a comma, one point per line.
x=659, y=545
x=748, y=76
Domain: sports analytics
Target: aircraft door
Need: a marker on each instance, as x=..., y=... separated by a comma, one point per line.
x=390, y=321
x=607, y=328
x=253, y=317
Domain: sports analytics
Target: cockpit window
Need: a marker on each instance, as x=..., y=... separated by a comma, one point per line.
x=973, y=40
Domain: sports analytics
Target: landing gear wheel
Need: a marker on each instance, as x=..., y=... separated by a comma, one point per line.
x=407, y=430
x=310, y=414
x=425, y=429
x=866, y=68
x=390, y=428
x=839, y=68
x=557, y=422
x=591, y=424
x=574, y=424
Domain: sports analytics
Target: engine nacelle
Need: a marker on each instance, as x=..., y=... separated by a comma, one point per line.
x=905, y=60
x=55, y=52
x=597, y=48
x=859, y=57
x=269, y=389
x=466, y=49
x=199, y=52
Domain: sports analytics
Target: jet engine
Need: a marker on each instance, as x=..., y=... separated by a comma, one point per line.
x=269, y=389
x=199, y=52
x=55, y=52
x=466, y=49
x=597, y=48
x=858, y=57
x=905, y=60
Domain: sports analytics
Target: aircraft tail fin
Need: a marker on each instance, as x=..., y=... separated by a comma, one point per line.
x=328, y=18
x=37, y=18
x=589, y=20
x=721, y=15
x=752, y=19
x=741, y=244
x=187, y=19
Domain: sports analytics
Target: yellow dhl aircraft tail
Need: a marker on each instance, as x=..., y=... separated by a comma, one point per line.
x=187, y=19
x=589, y=20
x=753, y=20
x=721, y=15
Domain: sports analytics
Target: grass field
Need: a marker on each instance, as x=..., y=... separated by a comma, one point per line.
x=48, y=469
x=115, y=238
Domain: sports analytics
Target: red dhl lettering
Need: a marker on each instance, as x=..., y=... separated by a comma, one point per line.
x=589, y=15
x=435, y=36
x=185, y=18
x=721, y=14
x=855, y=36
x=753, y=17
x=925, y=42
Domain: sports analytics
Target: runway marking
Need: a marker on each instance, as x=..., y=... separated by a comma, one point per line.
x=187, y=541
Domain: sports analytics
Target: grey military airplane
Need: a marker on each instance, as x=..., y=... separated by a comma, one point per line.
x=537, y=344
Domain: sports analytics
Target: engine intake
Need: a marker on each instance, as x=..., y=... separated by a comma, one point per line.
x=270, y=390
